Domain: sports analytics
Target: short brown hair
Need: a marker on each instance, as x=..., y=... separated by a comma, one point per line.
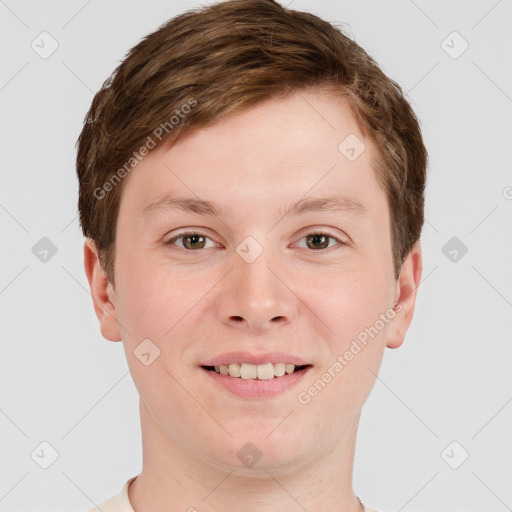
x=225, y=58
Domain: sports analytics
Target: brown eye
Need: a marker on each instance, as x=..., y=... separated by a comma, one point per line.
x=191, y=241
x=319, y=241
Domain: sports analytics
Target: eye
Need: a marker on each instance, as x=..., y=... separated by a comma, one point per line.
x=320, y=240
x=191, y=241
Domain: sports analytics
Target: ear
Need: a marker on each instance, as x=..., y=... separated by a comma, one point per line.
x=103, y=294
x=407, y=287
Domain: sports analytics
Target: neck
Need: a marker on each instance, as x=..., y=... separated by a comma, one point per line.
x=172, y=476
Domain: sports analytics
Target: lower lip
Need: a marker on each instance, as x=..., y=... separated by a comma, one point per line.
x=255, y=388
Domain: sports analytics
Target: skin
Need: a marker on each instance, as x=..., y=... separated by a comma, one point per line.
x=295, y=297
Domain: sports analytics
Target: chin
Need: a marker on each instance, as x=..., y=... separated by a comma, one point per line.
x=259, y=451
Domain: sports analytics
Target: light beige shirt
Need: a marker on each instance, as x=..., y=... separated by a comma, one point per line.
x=121, y=503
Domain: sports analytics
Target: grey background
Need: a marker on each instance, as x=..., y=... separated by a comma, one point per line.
x=62, y=383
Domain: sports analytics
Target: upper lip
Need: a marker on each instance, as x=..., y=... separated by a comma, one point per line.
x=247, y=357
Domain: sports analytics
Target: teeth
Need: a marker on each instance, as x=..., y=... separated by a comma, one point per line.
x=234, y=370
x=265, y=371
x=252, y=371
x=289, y=368
x=279, y=369
x=248, y=371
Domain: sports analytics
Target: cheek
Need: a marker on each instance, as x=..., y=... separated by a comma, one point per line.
x=350, y=302
x=139, y=307
x=149, y=303
x=153, y=304
x=352, y=306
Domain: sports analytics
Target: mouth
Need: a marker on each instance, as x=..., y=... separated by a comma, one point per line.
x=255, y=381
x=265, y=371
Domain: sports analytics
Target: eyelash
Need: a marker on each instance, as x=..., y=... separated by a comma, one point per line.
x=172, y=247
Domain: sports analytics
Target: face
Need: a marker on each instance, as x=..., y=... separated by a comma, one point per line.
x=311, y=285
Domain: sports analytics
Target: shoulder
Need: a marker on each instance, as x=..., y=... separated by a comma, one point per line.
x=111, y=505
x=368, y=509
x=118, y=503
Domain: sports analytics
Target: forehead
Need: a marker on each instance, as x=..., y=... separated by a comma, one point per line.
x=283, y=149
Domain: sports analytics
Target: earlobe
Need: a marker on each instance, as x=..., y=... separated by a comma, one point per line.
x=103, y=293
x=407, y=288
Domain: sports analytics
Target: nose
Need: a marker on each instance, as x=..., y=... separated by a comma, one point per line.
x=257, y=296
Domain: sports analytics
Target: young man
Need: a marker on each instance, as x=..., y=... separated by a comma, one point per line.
x=252, y=193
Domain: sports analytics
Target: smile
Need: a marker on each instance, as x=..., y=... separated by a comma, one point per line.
x=256, y=381
x=252, y=371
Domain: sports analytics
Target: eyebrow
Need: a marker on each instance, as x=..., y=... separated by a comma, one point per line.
x=330, y=204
